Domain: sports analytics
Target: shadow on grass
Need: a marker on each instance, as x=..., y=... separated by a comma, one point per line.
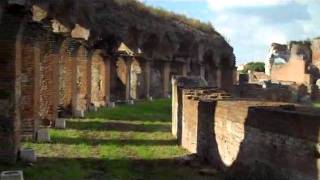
x=158, y=110
x=117, y=126
x=94, y=142
x=112, y=169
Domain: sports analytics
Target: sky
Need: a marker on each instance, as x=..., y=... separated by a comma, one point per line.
x=250, y=26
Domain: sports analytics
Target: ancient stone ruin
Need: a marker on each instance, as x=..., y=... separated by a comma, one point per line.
x=247, y=138
x=61, y=58
x=291, y=74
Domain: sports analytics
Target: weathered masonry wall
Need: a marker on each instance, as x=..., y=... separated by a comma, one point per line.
x=55, y=65
x=251, y=139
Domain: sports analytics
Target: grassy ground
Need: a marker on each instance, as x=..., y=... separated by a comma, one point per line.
x=317, y=104
x=124, y=143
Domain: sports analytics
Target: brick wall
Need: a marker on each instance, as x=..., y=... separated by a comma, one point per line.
x=29, y=90
x=65, y=76
x=178, y=83
x=48, y=88
x=253, y=139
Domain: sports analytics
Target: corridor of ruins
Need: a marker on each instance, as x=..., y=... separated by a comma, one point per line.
x=60, y=59
x=115, y=89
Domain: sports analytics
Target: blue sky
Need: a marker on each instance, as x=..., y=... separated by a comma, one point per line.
x=251, y=26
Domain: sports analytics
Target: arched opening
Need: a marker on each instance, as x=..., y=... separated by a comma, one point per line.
x=210, y=68
x=150, y=44
x=136, y=80
x=156, y=86
x=227, y=70
x=98, y=95
x=118, y=89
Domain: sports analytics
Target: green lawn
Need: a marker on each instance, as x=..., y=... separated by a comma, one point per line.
x=124, y=143
x=317, y=104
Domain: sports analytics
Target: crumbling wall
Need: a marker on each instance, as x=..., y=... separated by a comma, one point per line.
x=253, y=139
x=178, y=83
x=294, y=71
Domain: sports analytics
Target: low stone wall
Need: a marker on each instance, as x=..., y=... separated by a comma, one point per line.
x=252, y=139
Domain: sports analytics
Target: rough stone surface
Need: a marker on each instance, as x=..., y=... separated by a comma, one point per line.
x=60, y=123
x=12, y=175
x=43, y=135
x=28, y=155
x=253, y=139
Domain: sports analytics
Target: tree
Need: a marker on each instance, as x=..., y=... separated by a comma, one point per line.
x=254, y=66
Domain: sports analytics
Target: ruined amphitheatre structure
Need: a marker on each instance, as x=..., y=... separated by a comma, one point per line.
x=60, y=58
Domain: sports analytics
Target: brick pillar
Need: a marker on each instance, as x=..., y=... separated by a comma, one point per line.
x=166, y=78
x=108, y=78
x=128, y=78
x=89, y=81
x=147, y=77
x=74, y=90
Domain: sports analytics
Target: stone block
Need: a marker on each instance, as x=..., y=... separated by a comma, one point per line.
x=111, y=104
x=60, y=123
x=131, y=102
x=150, y=98
x=18, y=2
x=43, y=135
x=78, y=113
x=12, y=175
x=28, y=155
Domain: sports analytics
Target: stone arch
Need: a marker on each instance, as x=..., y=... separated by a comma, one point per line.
x=227, y=68
x=98, y=96
x=156, y=79
x=133, y=38
x=136, y=80
x=150, y=44
x=210, y=68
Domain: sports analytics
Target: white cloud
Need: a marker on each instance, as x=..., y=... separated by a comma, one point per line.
x=225, y=4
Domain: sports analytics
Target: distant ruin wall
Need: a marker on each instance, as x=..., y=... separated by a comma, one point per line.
x=253, y=139
x=294, y=71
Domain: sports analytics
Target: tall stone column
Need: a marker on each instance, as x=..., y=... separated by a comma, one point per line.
x=107, y=79
x=166, y=78
x=185, y=69
x=147, y=77
x=128, y=77
x=219, y=77
x=202, y=71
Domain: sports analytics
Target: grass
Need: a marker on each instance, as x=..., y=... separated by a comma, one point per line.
x=124, y=143
x=159, y=110
x=317, y=104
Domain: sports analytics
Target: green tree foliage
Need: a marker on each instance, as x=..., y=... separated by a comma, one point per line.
x=254, y=66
